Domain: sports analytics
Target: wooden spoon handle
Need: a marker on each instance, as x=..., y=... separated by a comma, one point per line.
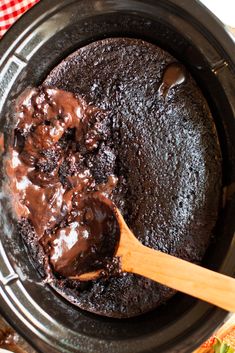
x=181, y=275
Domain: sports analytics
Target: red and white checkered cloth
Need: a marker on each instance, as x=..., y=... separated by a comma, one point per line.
x=11, y=10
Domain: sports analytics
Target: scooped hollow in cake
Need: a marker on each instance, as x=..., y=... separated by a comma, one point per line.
x=158, y=141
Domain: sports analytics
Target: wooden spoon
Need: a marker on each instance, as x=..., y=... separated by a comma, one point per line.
x=171, y=271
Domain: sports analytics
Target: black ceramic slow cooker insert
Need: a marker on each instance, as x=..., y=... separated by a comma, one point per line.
x=37, y=43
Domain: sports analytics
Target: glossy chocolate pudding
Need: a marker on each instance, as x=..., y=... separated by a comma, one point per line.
x=54, y=190
x=133, y=126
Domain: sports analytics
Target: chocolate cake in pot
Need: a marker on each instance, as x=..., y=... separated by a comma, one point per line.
x=156, y=139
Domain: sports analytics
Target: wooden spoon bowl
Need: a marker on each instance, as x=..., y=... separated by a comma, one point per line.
x=197, y=281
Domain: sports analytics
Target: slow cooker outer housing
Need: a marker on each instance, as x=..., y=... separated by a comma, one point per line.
x=35, y=44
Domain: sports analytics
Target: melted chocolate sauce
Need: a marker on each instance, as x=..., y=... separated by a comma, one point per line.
x=52, y=185
x=89, y=240
x=174, y=75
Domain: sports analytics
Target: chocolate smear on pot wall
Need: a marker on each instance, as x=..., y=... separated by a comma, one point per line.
x=173, y=75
